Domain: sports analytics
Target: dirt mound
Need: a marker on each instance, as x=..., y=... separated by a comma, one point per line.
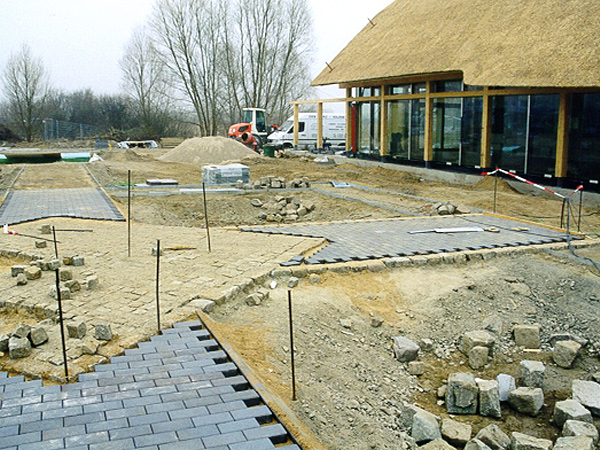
x=208, y=150
x=125, y=156
x=487, y=184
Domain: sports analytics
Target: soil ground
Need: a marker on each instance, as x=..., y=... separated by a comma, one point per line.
x=350, y=387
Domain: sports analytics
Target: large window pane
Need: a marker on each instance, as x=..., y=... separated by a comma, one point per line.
x=509, y=132
x=446, y=129
x=470, y=135
x=584, y=137
x=543, y=123
x=399, y=129
x=417, y=130
x=369, y=131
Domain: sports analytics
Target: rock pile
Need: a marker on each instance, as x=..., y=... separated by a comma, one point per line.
x=19, y=343
x=446, y=209
x=283, y=209
x=272, y=182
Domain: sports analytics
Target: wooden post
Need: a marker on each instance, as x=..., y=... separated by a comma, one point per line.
x=383, y=141
x=348, y=119
x=296, y=123
x=562, y=141
x=486, y=131
x=319, y=125
x=428, y=154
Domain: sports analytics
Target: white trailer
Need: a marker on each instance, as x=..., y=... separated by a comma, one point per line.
x=334, y=131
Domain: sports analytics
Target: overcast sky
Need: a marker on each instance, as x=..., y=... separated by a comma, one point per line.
x=81, y=41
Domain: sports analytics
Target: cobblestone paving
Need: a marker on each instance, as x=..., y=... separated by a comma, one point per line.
x=180, y=390
x=83, y=203
x=358, y=241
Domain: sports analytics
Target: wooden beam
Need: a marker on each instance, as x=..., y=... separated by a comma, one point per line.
x=428, y=153
x=320, y=125
x=562, y=141
x=486, y=131
x=296, y=124
x=383, y=143
x=348, y=119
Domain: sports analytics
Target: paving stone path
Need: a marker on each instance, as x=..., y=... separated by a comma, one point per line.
x=82, y=203
x=179, y=390
x=356, y=241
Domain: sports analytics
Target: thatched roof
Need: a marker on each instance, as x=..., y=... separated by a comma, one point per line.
x=550, y=43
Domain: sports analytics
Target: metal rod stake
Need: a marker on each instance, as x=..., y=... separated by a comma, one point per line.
x=292, y=346
x=60, y=310
x=495, y=189
x=157, y=283
x=580, y=206
x=206, y=217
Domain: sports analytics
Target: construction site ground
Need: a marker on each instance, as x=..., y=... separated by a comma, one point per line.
x=350, y=387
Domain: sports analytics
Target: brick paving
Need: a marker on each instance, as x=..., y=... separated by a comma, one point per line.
x=179, y=390
x=82, y=203
x=356, y=241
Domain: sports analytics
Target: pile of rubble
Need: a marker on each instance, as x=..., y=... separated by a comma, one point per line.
x=464, y=394
x=445, y=209
x=272, y=182
x=283, y=209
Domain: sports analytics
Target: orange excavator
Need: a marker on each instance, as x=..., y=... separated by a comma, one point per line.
x=252, y=131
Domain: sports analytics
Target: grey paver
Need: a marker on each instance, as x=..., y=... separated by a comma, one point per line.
x=190, y=397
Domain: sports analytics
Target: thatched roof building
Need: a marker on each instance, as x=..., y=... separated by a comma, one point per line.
x=477, y=84
x=493, y=43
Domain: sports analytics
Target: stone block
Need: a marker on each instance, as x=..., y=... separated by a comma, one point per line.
x=78, y=261
x=570, y=410
x=405, y=350
x=41, y=244
x=565, y=352
x=67, y=260
x=65, y=293
x=376, y=322
x=154, y=251
x=588, y=394
x=574, y=443
x=102, y=332
x=437, y=444
x=203, y=304
x=416, y=368
x=38, y=336
x=256, y=298
x=22, y=331
x=479, y=338
x=65, y=275
x=21, y=279
x=476, y=444
x=73, y=285
x=489, y=398
x=493, y=437
x=92, y=283
x=77, y=330
x=478, y=357
x=17, y=269
x=314, y=278
x=4, y=338
x=425, y=427
x=531, y=373
x=527, y=400
x=506, y=384
x=19, y=347
x=293, y=282
x=579, y=428
x=33, y=273
x=456, y=433
x=53, y=264
x=527, y=336
x=520, y=441
x=426, y=345
x=462, y=394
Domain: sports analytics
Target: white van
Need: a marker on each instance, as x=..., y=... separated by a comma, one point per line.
x=334, y=131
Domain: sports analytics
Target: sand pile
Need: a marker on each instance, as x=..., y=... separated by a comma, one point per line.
x=125, y=156
x=208, y=150
x=487, y=184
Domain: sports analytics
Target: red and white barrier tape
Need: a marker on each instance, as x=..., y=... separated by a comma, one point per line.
x=539, y=186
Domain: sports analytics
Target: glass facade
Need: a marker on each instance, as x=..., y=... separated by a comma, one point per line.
x=584, y=137
x=523, y=129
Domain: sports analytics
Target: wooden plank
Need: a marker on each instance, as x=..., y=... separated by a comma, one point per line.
x=296, y=124
x=562, y=141
x=383, y=142
x=320, y=125
x=348, y=119
x=486, y=131
x=428, y=153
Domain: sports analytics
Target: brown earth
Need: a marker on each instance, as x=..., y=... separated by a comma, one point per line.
x=350, y=388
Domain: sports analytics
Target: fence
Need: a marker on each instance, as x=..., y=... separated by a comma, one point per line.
x=59, y=129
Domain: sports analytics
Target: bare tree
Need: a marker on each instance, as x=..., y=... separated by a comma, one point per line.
x=188, y=36
x=269, y=51
x=229, y=54
x=145, y=81
x=25, y=85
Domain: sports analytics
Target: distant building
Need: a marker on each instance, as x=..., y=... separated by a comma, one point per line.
x=475, y=84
